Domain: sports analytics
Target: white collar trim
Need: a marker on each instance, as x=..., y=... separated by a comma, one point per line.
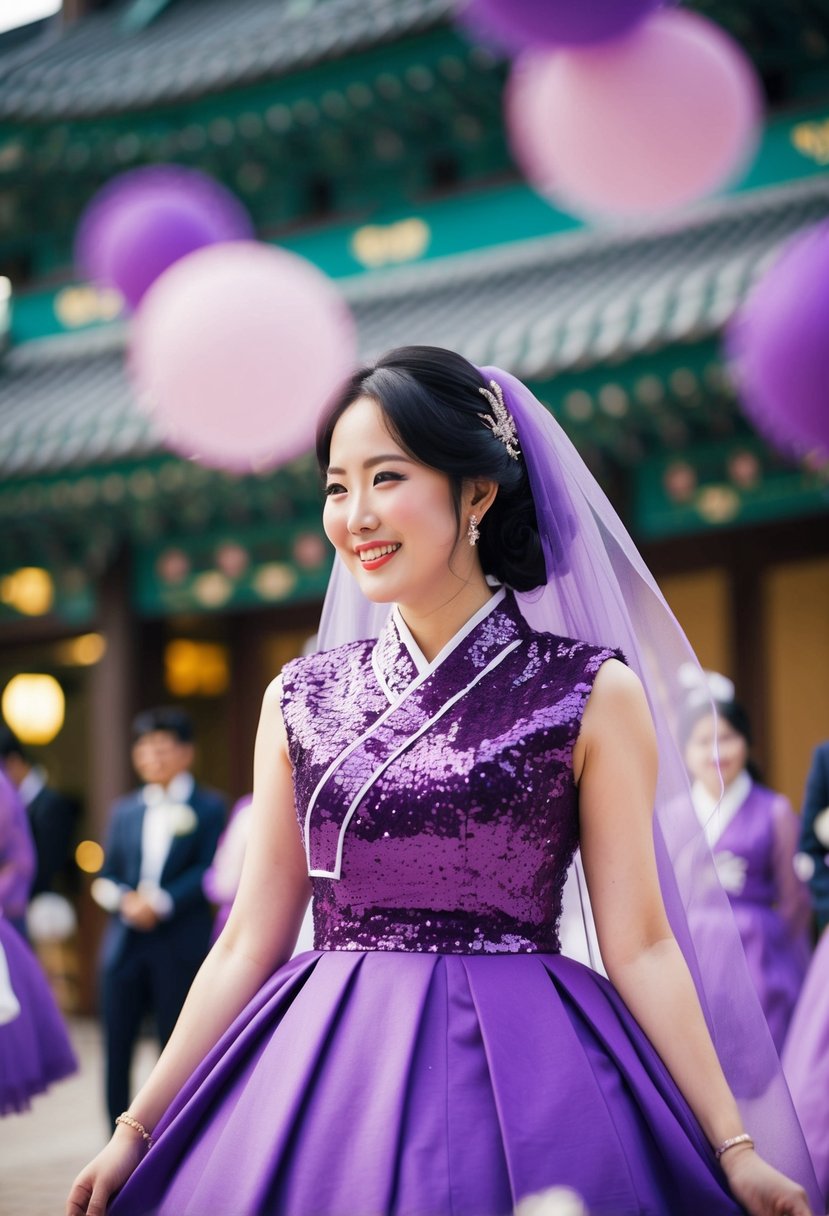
x=424, y=667
x=715, y=814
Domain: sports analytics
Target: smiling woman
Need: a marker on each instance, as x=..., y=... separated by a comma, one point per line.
x=753, y=835
x=432, y=412
x=392, y=520
x=431, y=783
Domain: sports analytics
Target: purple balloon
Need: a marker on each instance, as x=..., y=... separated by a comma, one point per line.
x=520, y=24
x=778, y=345
x=143, y=221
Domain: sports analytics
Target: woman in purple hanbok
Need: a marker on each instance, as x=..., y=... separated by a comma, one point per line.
x=753, y=834
x=806, y=1054
x=806, y=1059
x=221, y=878
x=34, y=1046
x=18, y=860
x=435, y=1053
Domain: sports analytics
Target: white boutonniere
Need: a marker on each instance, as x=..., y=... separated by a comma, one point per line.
x=820, y=827
x=183, y=819
x=803, y=866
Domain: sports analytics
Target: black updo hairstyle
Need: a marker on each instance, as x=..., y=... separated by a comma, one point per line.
x=432, y=404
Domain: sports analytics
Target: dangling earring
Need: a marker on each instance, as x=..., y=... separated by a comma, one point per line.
x=473, y=533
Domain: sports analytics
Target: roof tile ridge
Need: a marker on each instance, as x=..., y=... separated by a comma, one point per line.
x=567, y=246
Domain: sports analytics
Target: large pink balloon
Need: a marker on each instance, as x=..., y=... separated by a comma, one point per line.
x=235, y=349
x=649, y=122
x=779, y=346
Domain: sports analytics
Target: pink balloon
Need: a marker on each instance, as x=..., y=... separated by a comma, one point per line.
x=235, y=349
x=651, y=121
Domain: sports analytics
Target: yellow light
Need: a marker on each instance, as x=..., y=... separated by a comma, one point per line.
x=89, y=856
x=34, y=707
x=85, y=651
x=29, y=590
x=196, y=669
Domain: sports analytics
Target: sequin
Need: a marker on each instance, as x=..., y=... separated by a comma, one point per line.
x=463, y=842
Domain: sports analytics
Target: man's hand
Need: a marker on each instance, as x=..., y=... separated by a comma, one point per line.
x=137, y=911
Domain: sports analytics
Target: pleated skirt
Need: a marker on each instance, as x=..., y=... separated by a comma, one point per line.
x=406, y=1084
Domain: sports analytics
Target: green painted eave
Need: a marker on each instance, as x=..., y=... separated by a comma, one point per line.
x=720, y=484
x=793, y=148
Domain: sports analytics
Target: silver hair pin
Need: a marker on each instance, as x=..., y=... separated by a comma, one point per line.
x=502, y=424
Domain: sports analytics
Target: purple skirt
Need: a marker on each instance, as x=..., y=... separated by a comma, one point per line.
x=34, y=1047
x=777, y=963
x=370, y=1084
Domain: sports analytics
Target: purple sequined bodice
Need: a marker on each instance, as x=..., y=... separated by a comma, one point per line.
x=437, y=800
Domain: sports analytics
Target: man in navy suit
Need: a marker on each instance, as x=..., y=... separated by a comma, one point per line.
x=814, y=832
x=161, y=840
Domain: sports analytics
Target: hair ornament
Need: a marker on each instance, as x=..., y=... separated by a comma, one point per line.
x=706, y=684
x=502, y=424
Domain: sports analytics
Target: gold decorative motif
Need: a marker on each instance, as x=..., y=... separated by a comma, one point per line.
x=87, y=305
x=812, y=140
x=376, y=245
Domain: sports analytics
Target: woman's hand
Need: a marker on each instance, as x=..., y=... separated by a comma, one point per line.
x=105, y=1174
x=761, y=1189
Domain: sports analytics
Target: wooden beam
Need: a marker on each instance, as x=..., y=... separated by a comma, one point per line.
x=73, y=10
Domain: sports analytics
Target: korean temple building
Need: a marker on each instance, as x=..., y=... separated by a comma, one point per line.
x=367, y=135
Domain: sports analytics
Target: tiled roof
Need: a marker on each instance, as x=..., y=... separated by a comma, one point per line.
x=535, y=308
x=99, y=65
x=66, y=402
x=567, y=302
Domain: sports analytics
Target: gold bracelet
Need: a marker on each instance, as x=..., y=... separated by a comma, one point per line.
x=128, y=1121
x=743, y=1138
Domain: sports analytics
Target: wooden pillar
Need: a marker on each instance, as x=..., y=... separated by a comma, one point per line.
x=749, y=644
x=112, y=704
x=112, y=696
x=73, y=9
x=247, y=685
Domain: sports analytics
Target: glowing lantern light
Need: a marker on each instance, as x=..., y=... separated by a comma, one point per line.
x=34, y=707
x=28, y=590
x=83, y=651
x=196, y=669
x=89, y=856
